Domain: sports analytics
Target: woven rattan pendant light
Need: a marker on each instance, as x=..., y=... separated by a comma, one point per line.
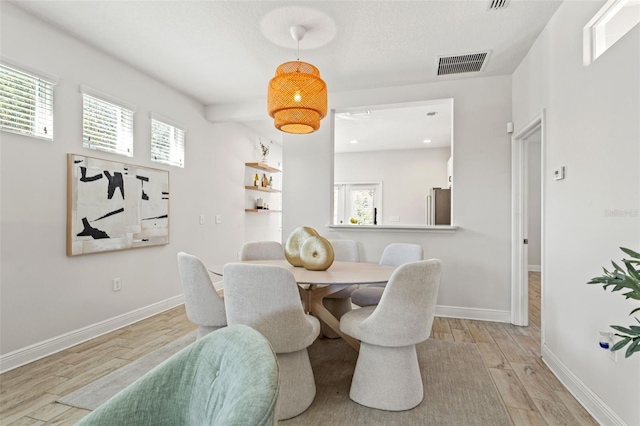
x=297, y=96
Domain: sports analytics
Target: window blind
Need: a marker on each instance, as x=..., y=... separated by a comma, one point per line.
x=167, y=143
x=106, y=126
x=26, y=103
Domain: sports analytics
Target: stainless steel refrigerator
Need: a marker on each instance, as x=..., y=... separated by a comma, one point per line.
x=438, y=206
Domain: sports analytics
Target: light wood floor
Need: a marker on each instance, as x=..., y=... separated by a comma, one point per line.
x=532, y=394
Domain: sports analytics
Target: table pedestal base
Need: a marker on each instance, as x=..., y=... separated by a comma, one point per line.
x=313, y=298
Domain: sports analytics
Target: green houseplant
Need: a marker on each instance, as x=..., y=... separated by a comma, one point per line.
x=627, y=280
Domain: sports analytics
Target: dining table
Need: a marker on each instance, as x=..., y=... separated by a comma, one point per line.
x=316, y=285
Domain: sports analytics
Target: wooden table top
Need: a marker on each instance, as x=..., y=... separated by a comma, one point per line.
x=338, y=273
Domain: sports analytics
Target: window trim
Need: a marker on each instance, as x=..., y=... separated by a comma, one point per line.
x=49, y=78
x=103, y=97
x=86, y=90
x=37, y=74
x=172, y=123
x=342, y=208
x=593, y=31
x=165, y=120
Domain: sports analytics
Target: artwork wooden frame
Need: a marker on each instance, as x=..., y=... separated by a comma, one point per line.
x=113, y=205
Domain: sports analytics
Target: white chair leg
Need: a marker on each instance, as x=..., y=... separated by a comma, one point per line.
x=297, y=385
x=337, y=307
x=387, y=378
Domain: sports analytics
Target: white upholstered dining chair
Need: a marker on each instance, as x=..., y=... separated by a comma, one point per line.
x=394, y=254
x=387, y=375
x=266, y=298
x=203, y=304
x=262, y=250
x=339, y=303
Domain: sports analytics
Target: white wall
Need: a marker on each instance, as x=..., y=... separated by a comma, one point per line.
x=44, y=294
x=476, y=259
x=406, y=176
x=592, y=128
x=534, y=212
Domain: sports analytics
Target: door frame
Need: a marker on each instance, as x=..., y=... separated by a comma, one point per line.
x=519, y=221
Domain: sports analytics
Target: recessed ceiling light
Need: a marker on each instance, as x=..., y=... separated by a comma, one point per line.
x=432, y=113
x=427, y=141
x=354, y=141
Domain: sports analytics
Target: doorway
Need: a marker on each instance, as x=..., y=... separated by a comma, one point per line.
x=533, y=220
x=527, y=246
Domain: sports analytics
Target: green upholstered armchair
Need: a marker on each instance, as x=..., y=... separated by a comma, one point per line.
x=229, y=377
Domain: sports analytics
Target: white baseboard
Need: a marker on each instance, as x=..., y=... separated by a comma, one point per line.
x=585, y=396
x=48, y=347
x=473, y=313
x=535, y=268
x=42, y=349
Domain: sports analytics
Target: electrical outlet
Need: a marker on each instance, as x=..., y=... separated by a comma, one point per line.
x=117, y=284
x=218, y=219
x=201, y=219
x=238, y=256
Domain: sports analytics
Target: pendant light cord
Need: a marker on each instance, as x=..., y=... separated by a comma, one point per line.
x=297, y=32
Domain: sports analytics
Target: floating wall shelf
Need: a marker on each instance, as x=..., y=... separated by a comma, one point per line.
x=266, y=168
x=262, y=166
x=262, y=211
x=260, y=188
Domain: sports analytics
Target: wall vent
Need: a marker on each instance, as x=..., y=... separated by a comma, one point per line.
x=468, y=62
x=498, y=4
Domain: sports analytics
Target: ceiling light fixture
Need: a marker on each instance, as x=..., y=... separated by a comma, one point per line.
x=353, y=141
x=297, y=96
x=432, y=113
x=427, y=141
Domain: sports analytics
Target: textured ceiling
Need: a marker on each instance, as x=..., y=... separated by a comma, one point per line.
x=393, y=127
x=221, y=52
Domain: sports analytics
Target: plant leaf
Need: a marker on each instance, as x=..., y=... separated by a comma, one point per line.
x=622, y=329
x=618, y=268
x=633, y=347
x=630, y=252
x=621, y=344
x=632, y=271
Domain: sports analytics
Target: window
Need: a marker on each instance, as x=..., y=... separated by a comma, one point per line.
x=106, y=126
x=357, y=203
x=26, y=103
x=611, y=23
x=277, y=184
x=167, y=142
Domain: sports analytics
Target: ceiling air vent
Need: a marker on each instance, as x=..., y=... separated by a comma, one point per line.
x=469, y=62
x=498, y=4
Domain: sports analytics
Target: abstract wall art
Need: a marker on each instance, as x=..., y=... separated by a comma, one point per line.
x=115, y=206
